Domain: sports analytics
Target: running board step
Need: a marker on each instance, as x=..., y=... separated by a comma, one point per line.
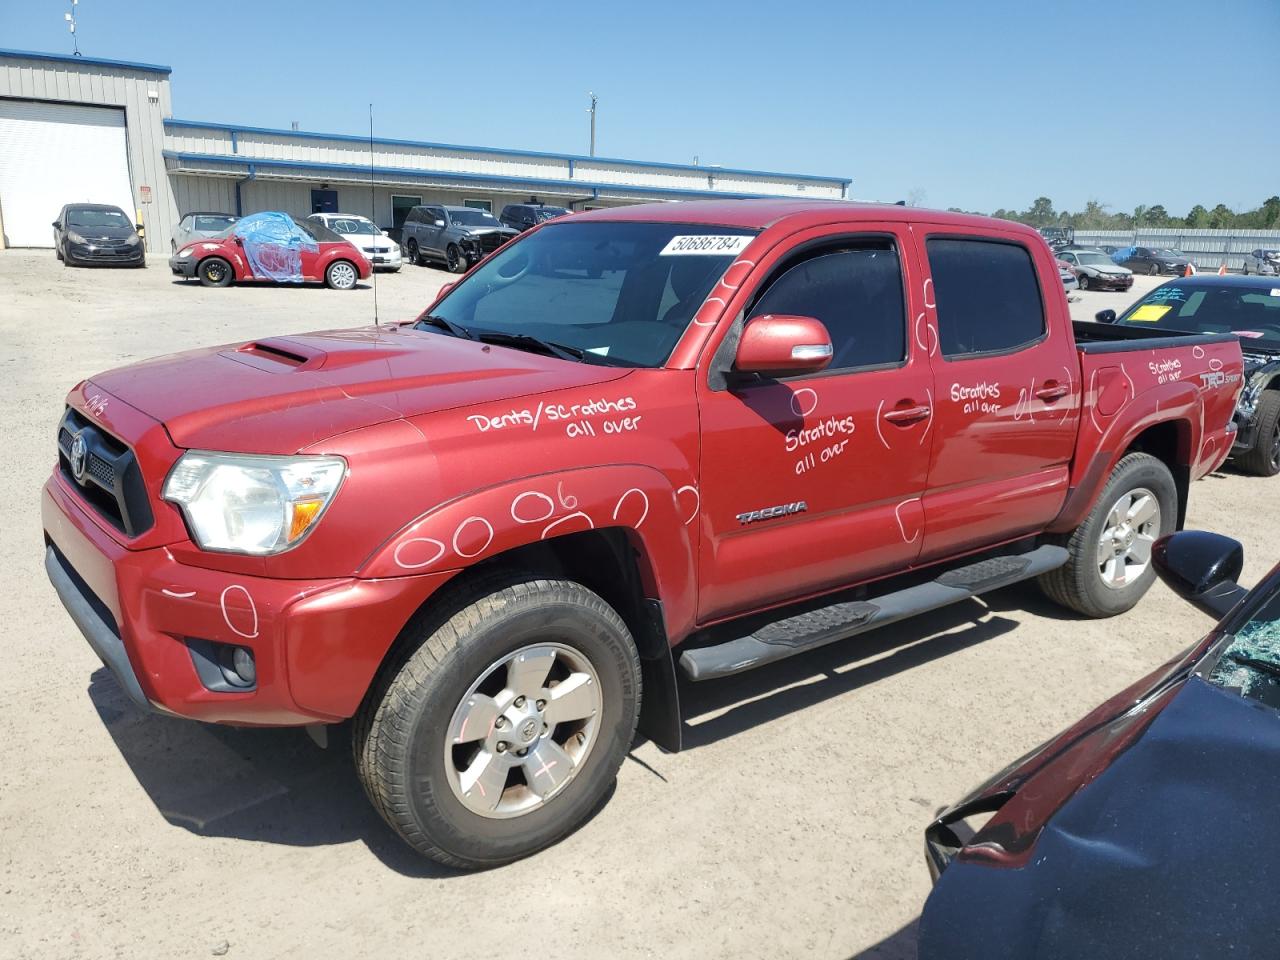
x=807, y=631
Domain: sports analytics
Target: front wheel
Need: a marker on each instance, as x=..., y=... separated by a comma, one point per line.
x=1109, y=568
x=411, y=252
x=455, y=259
x=341, y=275
x=215, y=272
x=1264, y=459
x=503, y=727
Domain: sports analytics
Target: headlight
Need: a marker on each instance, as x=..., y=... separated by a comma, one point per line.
x=250, y=504
x=75, y=237
x=134, y=240
x=184, y=253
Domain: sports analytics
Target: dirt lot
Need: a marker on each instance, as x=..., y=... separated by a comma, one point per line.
x=791, y=826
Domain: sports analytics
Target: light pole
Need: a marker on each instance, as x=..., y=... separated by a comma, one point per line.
x=592, y=110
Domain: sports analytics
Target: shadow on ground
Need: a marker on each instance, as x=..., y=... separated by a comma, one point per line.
x=897, y=946
x=277, y=786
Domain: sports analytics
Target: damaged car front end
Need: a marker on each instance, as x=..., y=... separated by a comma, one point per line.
x=1136, y=831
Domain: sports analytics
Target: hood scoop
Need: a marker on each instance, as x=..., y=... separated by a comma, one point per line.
x=284, y=355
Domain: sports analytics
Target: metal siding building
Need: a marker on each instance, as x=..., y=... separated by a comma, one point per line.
x=194, y=165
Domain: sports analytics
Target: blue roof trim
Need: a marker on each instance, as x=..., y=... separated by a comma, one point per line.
x=97, y=61
x=240, y=160
x=574, y=157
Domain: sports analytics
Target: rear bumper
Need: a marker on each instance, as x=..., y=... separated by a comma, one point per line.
x=316, y=644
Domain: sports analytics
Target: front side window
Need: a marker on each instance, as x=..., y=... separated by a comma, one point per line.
x=621, y=293
x=856, y=291
x=987, y=296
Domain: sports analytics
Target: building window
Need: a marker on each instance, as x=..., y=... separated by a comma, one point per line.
x=400, y=207
x=479, y=204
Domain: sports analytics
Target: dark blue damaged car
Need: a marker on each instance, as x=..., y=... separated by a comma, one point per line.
x=1151, y=828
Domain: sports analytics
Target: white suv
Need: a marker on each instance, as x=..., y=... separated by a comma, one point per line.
x=362, y=233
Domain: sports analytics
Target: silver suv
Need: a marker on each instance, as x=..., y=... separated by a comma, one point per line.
x=454, y=236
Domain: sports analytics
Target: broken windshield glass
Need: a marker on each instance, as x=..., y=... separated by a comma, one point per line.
x=1251, y=662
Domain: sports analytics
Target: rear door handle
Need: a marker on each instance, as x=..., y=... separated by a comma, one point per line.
x=1052, y=391
x=907, y=415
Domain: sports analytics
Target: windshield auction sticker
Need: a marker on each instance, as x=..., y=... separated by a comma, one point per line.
x=703, y=244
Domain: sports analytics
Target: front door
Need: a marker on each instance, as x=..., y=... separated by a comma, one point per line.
x=1007, y=386
x=324, y=201
x=814, y=482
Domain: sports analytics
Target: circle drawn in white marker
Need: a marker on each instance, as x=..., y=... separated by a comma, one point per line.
x=551, y=507
x=697, y=501
x=462, y=526
x=546, y=531
x=799, y=406
x=644, y=497
x=226, y=614
x=440, y=548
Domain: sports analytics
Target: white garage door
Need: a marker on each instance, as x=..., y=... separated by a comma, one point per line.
x=57, y=153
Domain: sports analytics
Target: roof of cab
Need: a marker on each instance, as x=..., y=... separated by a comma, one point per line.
x=761, y=214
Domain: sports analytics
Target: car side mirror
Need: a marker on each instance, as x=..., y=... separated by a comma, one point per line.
x=1105, y=316
x=56, y=224
x=385, y=233
x=439, y=223
x=776, y=345
x=239, y=240
x=139, y=227
x=1202, y=568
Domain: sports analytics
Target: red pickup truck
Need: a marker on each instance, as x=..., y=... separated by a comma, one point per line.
x=709, y=435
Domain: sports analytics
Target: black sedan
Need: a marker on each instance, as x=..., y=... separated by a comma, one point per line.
x=1148, y=829
x=1152, y=260
x=1248, y=307
x=86, y=233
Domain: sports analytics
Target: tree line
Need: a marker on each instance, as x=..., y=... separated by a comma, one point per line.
x=1099, y=216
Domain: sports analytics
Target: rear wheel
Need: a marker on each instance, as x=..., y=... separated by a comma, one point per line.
x=504, y=725
x=1084, y=281
x=215, y=272
x=411, y=251
x=341, y=275
x=1110, y=552
x=455, y=259
x=1264, y=459
x=1153, y=270
x=1245, y=269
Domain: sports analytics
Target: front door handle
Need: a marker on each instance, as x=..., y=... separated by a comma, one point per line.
x=1051, y=391
x=907, y=415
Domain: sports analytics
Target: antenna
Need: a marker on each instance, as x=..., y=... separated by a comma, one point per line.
x=373, y=217
x=69, y=16
x=592, y=110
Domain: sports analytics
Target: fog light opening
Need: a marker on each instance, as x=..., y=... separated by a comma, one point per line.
x=238, y=667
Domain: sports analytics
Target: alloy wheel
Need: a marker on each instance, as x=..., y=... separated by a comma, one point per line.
x=523, y=730
x=1124, y=547
x=342, y=275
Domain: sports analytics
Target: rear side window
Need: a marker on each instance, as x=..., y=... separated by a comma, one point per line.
x=987, y=296
x=857, y=294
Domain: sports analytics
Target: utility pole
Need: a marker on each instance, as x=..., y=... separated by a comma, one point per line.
x=592, y=110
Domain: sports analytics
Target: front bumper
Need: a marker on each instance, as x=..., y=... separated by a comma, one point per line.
x=390, y=260
x=93, y=253
x=316, y=644
x=1111, y=283
x=183, y=266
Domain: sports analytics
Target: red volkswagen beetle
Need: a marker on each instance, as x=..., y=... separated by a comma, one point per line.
x=273, y=247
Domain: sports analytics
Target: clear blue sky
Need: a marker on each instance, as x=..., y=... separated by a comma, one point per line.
x=971, y=104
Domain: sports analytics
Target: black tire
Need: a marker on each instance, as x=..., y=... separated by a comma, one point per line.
x=57, y=252
x=411, y=251
x=341, y=275
x=1084, y=281
x=455, y=260
x=1078, y=585
x=215, y=272
x=1264, y=459
x=1245, y=269
x=399, y=733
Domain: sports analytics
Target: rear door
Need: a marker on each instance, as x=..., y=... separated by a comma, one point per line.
x=1006, y=379
x=814, y=482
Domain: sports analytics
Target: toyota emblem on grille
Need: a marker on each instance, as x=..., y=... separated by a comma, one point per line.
x=79, y=457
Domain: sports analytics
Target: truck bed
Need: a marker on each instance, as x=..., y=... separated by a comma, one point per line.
x=1094, y=337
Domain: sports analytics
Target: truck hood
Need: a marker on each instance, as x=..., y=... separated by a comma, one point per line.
x=284, y=394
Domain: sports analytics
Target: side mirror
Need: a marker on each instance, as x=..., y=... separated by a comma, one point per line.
x=1202, y=568
x=775, y=345
x=139, y=227
x=1105, y=316
x=385, y=233
x=239, y=240
x=55, y=224
x=439, y=223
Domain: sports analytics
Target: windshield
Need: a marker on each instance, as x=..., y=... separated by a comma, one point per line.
x=97, y=218
x=621, y=292
x=473, y=218
x=212, y=224
x=1095, y=260
x=1251, y=312
x=1250, y=663
x=550, y=213
x=346, y=225
x=1166, y=252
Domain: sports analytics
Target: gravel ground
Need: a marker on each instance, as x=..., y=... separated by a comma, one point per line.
x=790, y=827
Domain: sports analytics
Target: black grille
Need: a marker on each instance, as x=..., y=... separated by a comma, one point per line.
x=110, y=480
x=492, y=241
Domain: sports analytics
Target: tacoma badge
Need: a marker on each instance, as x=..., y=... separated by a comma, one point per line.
x=768, y=513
